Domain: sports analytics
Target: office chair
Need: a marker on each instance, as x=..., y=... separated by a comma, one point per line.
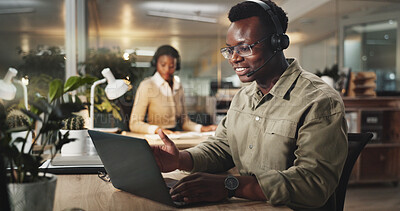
x=356, y=143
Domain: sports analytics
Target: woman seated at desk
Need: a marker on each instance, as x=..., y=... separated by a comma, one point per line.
x=161, y=98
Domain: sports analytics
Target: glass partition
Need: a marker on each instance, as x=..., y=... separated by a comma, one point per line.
x=373, y=47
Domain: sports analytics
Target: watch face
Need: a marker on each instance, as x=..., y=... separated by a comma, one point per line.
x=231, y=183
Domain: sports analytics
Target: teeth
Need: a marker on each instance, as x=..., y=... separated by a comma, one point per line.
x=240, y=69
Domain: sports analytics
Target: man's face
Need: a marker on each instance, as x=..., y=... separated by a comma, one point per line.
x=248, y=31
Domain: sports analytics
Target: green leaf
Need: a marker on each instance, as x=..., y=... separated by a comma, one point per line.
x=55, y=89
x=88, y=80
x=116, y=115
x=72, y=83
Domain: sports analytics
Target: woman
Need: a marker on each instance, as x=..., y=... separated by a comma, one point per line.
x=161, y=98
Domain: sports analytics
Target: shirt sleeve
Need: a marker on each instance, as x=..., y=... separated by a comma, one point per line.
x=214, y=154
x=139, y=109
x=320, y=156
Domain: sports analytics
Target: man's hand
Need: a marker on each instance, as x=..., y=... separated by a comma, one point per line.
x=200, y=187
x=167, y=155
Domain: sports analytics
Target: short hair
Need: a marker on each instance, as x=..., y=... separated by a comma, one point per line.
x=169, y=51
x=249, y=9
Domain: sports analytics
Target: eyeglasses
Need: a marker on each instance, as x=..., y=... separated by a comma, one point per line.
x=103, y=176
x=242, y=49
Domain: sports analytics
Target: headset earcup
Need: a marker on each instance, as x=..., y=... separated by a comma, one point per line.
x=153, y=62
x=275, y=42
x=279, y=42
x=284, y=41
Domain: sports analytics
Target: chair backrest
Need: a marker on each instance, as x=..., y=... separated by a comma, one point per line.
x=356, y=143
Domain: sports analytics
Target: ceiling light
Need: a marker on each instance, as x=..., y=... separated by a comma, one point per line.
x=16, y=10
x=182, y=16
x=144, y=52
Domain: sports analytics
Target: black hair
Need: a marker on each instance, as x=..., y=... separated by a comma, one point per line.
x=249, y=9
x=169, y=51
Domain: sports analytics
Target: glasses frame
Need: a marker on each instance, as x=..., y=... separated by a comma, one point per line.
x=234, y=48
x=103, y=176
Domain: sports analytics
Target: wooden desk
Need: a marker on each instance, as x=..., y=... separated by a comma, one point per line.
x=180, y=143
x=88, y=192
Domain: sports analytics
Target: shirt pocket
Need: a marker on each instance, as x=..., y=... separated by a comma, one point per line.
x=281, y=127
x=278, y=145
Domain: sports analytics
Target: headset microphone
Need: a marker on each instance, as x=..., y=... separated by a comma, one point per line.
x=254, y=71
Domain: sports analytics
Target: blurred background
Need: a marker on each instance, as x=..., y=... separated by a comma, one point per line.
x=62, y=38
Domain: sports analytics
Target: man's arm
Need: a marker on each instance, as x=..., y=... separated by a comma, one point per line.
x=200, y=186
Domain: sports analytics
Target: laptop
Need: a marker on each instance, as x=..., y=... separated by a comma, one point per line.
x=132, y=167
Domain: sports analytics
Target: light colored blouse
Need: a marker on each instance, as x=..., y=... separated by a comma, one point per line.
x=164, y=106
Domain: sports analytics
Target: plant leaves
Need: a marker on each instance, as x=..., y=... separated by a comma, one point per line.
x=72, y=83
x=88, y=80
x=55, y=89
x=31, y=115
x=63, y=139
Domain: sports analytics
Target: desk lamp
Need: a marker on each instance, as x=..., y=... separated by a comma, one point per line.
x=114, y=89
x=8, y=90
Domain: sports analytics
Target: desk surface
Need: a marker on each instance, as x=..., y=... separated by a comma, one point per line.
x=88, y=192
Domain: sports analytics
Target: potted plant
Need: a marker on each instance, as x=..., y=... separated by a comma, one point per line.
x=30, y=187
x=16, y=119
x=75, y=125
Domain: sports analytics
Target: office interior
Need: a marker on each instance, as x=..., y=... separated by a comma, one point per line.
x=357, y=36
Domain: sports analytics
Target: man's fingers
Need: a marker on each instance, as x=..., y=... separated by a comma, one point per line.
x=165, y=138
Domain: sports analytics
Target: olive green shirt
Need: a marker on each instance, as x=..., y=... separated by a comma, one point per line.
x=293, y=139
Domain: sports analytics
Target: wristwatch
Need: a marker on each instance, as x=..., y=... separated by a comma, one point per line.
x=231, y=183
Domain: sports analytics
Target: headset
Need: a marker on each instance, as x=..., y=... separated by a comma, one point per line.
x=161, y=51
x=279, y=40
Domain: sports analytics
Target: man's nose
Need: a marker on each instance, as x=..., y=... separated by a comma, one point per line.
x=235, y=57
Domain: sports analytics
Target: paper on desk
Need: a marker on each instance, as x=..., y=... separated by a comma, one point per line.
x=180, y=136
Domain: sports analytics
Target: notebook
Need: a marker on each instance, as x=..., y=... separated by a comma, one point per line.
x=131, y=166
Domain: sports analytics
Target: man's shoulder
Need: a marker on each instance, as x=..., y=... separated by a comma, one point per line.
x=316, y=85
x=317, y=92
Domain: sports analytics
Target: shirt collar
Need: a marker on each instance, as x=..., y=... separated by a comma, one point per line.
x=287, y=79
x=159, y=81
x=283, y=85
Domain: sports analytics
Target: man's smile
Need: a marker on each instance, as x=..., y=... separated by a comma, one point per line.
x=241, y=70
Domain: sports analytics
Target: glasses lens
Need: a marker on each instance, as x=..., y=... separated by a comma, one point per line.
x=226, y=53
x=243, y=50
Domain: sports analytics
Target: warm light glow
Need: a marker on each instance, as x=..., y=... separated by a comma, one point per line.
x=126, y=56
x=126, y=25
x=25, y=43
x=296, y=37
x=175, y=42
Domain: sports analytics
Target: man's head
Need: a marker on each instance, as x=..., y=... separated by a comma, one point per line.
x=253, y=26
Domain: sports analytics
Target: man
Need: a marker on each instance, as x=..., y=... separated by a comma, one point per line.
x=285, y=132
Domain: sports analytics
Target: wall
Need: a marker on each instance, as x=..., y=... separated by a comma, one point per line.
x=318, y=55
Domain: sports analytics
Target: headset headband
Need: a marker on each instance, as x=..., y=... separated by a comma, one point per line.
x=274, y=18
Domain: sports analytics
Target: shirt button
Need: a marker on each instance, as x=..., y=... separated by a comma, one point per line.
x=251, y=146
x=257, y=118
